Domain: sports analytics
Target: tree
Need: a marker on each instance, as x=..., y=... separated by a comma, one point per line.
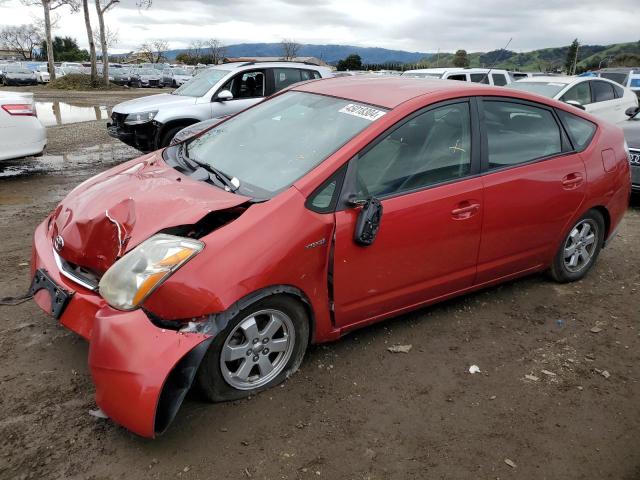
x=352, y=62
x=626, y=60
x=572, y=57
x=154, y=52
x=460, y=59
x=217, y=51
x=91, y=40
x=290, y=49
x=102, y=6
x=65, y=49
x=195, y=50
x=22, y=39
x=47, y=7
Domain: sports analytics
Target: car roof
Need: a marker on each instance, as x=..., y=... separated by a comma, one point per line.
x=258, y=64
x=387, y=91
x=553, y=79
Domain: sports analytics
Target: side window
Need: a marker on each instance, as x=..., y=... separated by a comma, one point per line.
x=309, y=74
x=248, y=84
x=602, y=91
x=579, y=93
x=286, y=76
x=580, y=130
x=431, y=148
x=479, y=77
x=499, y=79
x=519, y=133
x=325, y=197
x=619, y=91
x=462, y=77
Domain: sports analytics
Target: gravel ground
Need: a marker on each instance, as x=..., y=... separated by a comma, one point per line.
x=542, y=406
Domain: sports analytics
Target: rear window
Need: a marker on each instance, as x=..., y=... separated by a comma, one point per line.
x=581, y=131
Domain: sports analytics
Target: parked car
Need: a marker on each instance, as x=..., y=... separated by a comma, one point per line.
x=146, y=77
x=598, y=96
x=17, y=75
x=151, y=122
x=625, y=76
x=175, y=77
x=632, y=135
x=330, y=206
x=42, y=74
x=121, y=76
x=21, y=133
x=477, y=75
x=195, y=129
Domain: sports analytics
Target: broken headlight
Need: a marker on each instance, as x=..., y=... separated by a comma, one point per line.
x=140, y=117
x=135, y=276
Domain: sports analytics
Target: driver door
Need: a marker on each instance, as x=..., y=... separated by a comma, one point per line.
x=424, y=175
x=248, y=88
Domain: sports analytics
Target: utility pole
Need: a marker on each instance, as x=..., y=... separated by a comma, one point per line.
x=575, y=60
x=438, y=59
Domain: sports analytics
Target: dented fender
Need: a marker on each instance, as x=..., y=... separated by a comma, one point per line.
x=141, y=372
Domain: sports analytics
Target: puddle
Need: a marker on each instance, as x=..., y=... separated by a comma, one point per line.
x=93, y=159
x=60, y=113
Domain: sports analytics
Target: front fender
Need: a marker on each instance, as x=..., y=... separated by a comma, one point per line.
x=141, y=372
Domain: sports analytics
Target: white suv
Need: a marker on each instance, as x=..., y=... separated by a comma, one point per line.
x=149, y=123
x=499, y=78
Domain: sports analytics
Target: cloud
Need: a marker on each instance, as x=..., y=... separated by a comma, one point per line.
x=415, y=25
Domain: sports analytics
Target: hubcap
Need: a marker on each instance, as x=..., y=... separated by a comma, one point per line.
x=257, y=350
x=580, y=245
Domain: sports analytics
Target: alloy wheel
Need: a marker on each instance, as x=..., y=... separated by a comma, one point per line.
x=257, y=349
x=580, y=246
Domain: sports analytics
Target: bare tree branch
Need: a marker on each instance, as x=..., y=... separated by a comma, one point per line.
x=290, y=49
x=217, y=50
x=22, y=39
x=154, y=51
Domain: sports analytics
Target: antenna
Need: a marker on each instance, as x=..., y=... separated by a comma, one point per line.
x=486, y=75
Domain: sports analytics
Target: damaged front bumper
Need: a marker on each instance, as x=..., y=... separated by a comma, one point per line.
x=141, y=372
x=141, y=137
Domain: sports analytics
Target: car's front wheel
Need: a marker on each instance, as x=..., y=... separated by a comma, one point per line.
x=260, y=347
x=579, y=249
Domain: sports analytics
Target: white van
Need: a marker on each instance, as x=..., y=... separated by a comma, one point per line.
x=496, y=77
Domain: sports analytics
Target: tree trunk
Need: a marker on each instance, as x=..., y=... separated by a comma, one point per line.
x=47, y=32
x=92, y=45
x=103, y=45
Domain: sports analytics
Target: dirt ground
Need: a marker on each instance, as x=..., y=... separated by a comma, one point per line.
x=355, y=410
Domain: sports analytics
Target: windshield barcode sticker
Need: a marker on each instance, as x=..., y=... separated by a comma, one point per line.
x=361, y=111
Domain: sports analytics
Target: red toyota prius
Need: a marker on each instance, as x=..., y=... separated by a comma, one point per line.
x=334, y=204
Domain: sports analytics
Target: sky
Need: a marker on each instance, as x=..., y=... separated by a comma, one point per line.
x=413, y=25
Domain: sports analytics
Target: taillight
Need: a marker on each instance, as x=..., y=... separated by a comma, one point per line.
x=27, y=109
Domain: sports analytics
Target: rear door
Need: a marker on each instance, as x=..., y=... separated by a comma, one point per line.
x=604, y=104
x=533, y=185
x=424, y=172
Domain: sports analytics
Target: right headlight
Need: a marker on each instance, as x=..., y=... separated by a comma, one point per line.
x=134, y=277
x=140, y=117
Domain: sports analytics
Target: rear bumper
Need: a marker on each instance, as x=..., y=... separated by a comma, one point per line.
x=24, y=138
x=141, y=372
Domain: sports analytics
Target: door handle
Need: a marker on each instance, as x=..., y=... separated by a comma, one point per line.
x=573, y=180
x=465, y=210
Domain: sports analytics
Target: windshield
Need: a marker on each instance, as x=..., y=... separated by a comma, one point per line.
x=546, y=89
x=179, y=71
x=149, y=71
x=201, y=83
x=12, y=69
x=272, y=145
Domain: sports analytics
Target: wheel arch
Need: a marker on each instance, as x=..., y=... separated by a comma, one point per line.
x=217, y=322
x=178, y=122
x=607, y=220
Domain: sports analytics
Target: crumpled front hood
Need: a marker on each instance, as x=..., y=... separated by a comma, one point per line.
x=113, y=212
x=153, y=102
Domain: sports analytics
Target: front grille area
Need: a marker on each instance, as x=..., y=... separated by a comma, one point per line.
x=76, y=273
x=634, y=157
x=154, y=83
x=118, y=119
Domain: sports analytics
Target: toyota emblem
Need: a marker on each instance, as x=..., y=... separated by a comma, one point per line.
x=58, y=243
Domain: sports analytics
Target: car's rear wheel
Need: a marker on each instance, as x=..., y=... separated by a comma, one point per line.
x=579, y=249
x=260, y=347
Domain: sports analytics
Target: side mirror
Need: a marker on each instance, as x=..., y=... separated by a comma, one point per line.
x=368, y=222
x=631, y=111
x=575, y=104
x=224, y=95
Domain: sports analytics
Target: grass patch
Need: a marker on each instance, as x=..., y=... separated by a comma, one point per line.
x=78, y=81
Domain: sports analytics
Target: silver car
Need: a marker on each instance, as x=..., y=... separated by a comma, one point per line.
x=149, y=123
x=175, y=77
x=146, y=77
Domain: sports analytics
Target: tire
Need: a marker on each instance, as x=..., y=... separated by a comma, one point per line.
x=215, y=377
x=168, y=136
x=579, y=249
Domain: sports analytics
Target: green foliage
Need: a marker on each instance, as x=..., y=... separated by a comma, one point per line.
x=65, y=49
x=79, y=81
x=352, y=62
x=460, y=59
x=572, y=55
